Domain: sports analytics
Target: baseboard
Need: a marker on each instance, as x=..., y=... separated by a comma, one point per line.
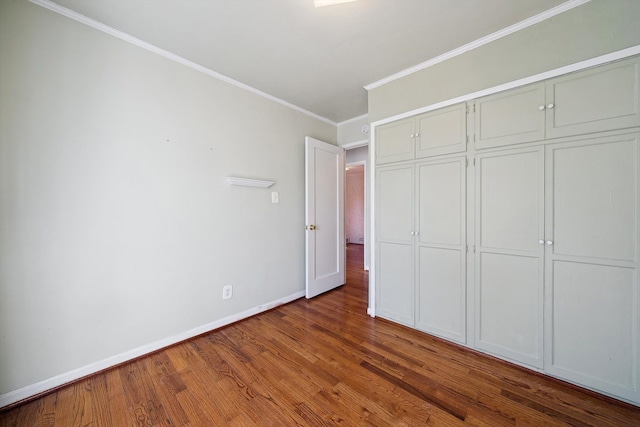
x=62, y=379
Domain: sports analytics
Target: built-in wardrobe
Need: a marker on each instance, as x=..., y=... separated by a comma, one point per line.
x=511, y=224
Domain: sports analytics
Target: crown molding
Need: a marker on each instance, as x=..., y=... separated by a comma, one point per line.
x=481, y=42
x=354, y=119
x=48, y=4
x=571, y=68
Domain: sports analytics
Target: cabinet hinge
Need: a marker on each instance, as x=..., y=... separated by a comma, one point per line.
x=466, y=162
x=467, y=138
x=467, y=248
x=474, y=249
x=474, y=108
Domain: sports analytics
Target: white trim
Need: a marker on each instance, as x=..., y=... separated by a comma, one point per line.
x=355, y=119
x=593, y=62
x=481, y=42
x=246, y=182
x=48, y=4
x=355, y=144
x=59, y=380
x=371, y=310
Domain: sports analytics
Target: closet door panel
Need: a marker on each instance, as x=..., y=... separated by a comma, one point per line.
x=510, y=307
x=441, y=206
x=510, y=200
x=441, y=300
x=394, y=141
x=441, y=272
x=592, y=327
x=442, y=131
x=394, y=215
x=509, y=258
x=594, y=341
x=395, y=282
x=395, y=228
x=594, y=199
x=510, y=117
x=596, y=100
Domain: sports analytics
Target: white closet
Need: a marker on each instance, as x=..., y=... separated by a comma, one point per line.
x=551, y=173
x=421, y=226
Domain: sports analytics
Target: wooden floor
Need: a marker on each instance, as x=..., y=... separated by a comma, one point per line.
x=316, y=363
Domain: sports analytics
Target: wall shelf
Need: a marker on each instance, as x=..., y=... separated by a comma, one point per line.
x=246, y=182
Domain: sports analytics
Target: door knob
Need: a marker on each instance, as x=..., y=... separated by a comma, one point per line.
x=310, y=227
x=541, y=242
x=541, y=107
x=550, y=106
x=549, y=242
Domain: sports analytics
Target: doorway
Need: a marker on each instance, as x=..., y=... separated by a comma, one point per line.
x=357, y=204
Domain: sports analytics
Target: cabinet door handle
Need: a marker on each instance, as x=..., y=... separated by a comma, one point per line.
x=417, y=135
x=549, y=242
x=541, y=107
x=413, y=135
x=541, y=242
x=550, y=106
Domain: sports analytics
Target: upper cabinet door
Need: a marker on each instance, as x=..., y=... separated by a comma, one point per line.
x=395, y=141
x=441, y=131
x=512, y=117
x=596, y=100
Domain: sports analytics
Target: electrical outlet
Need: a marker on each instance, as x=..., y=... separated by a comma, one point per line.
x=227, y=292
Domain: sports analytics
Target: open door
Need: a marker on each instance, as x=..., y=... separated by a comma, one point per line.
x=324, y=216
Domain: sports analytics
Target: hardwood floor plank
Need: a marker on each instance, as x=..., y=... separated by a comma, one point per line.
x=76, y=399
x=100, y=401
x=319, y=362
x=47, y=411
x=116, y=400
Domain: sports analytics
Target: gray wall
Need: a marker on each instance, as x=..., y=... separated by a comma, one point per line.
x=117, y=226
x=587, y=31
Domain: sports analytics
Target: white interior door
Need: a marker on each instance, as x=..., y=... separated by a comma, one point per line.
x=324, y=195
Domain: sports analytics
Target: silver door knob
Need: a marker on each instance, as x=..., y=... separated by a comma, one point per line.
x=541, y=107
x=549, y=242
x=417, y=135
x=541, y=242
x=417, y=233
x=550, y=106
x=413, y=135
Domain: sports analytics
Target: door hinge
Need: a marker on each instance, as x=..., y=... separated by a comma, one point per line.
x=474, y=249
x=474, y=107
x=466, y=162
x=474, y=161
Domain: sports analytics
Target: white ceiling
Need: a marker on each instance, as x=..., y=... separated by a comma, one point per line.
x=318, y=59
